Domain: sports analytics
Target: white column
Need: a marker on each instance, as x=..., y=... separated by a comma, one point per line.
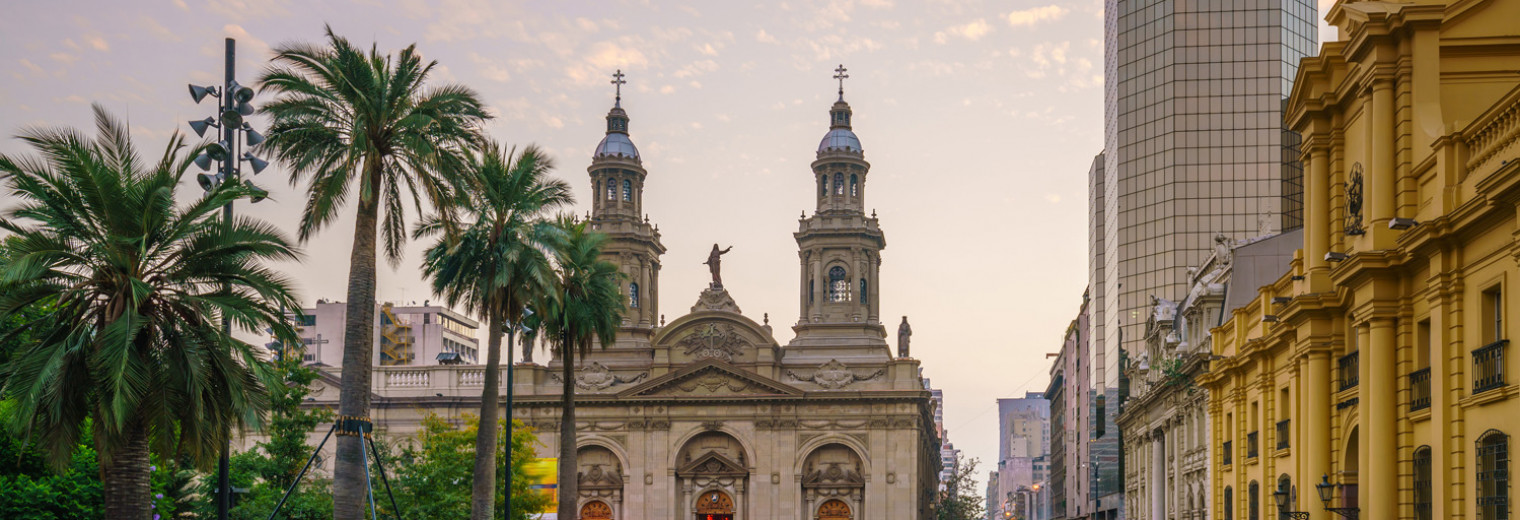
x=1158, y=477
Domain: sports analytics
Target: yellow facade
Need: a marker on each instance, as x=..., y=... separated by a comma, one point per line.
x=1381, y=359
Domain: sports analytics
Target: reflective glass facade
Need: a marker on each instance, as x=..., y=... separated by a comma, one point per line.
x=1194, y=146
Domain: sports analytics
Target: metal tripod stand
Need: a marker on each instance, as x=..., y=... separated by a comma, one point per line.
x=352, y=427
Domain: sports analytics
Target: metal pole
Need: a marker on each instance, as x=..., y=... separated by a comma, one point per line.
x=507, y=493
x=223, y=478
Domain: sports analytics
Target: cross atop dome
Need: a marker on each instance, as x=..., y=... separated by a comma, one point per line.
x=839, y=74
x=617, y=82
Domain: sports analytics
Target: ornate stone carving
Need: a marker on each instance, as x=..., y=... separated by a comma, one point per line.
x=597, y=377
x=835, y=375
x=1354, y=201
x=713, y=383
x=711, y=342
x=712, y=425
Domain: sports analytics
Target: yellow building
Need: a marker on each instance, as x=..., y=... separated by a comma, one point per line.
x=1381, y=360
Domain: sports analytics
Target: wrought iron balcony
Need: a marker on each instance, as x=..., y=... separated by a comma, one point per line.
x=1419, y=389
x=1226, y=455
x=1283, y=427
x=1251, y=444
x=1488, y=366
x=1349, y=366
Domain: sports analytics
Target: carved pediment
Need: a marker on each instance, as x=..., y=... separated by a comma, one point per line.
x=711, y=378
x=834, y=475
x=598, y=478
x=711, y=464
x=712, y=341
x=597, y=377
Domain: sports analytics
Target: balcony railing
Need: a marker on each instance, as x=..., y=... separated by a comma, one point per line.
x=1419, y=389
x=1226, y=455
x=1488, y=366
x=1282, y=434
x=1251, y=445
x=1349, y=366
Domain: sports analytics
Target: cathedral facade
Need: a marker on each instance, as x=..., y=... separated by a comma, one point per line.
x=709, y=413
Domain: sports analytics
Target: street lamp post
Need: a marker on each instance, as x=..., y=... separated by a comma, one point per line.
x=1327, y=495
x=233, y=106
x=1284, y=496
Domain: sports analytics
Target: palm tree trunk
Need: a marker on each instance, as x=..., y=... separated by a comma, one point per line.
x=568, y=492
x=349, y=489
x=483, y=489
x=128, y=478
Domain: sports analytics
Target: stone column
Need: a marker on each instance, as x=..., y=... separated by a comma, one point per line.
x=1379, y=399
x=1379, y=177
x=1315, y=415
x=1158, y=476
x=645, y=319
x=1317, y=205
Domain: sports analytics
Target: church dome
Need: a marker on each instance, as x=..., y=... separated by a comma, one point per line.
x=618, y=144
x=839, y=140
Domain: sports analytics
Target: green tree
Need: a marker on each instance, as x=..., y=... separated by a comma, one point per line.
x=492, y=258
x=586, y=309
x=960, y=500
x=32, y=490
x=345, y=119
x=433, y=468
x=140, y=285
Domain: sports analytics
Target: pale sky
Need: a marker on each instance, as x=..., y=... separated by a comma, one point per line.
x=979, y=118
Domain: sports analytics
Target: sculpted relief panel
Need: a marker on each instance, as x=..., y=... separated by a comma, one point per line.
x=835, y=375
x=713, y=341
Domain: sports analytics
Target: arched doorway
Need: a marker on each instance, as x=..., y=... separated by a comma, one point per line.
x=600, y=478
x=833, y=473
x=834, y=510
x=1347, y=494
x=713, y=475
x=596, y=510
x=714, y=505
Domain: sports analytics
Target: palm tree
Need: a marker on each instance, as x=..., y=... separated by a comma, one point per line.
x=345, y=117
x=492, y=257
x=137, y=286
x=587, y=308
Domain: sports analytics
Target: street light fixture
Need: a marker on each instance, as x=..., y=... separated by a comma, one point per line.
x=1284, y=496
x=1327, y=495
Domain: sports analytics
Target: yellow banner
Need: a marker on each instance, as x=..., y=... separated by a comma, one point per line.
x=543, y=477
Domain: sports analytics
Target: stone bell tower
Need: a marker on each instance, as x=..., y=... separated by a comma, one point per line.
x=839, y=246
x=617, y=187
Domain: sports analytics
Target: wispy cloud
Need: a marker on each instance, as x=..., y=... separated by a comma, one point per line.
x=1035, y=16
x=973, y=31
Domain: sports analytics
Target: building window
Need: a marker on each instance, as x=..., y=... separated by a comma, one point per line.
x=627, y=190
x=1493, y=315
x=1493, y=476
x=633, y=296
x=823, y=185
x=854, y=186
x=1253, y=501
x=839, y=285
x=611, y=190
x=812, y=289
x=1229, y=503
x=864, y=295
x=1286, y=482
x=839, y=184
x=1422, y=483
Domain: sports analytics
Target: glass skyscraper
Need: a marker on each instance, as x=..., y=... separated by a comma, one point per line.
x=1194, y=147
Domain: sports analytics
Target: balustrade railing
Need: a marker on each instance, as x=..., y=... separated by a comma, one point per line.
x=1419, y=389
x=1283, y=427
x=1488, y=366
x=1349, y=365
x=1251, y=445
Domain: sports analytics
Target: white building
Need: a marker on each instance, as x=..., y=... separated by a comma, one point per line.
x=404, y=335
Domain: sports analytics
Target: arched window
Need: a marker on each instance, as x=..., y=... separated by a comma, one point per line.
x=1422, y=483
x=823, y=185
x=633, y=296
x=1229, y=503
x=854, y=185
x=864, y=296
x=627, y=190
x=1286, y=482
x=611, y=190
x=839, y=184
x=1493, y=476
x=1253, y=501
x=839, y=285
